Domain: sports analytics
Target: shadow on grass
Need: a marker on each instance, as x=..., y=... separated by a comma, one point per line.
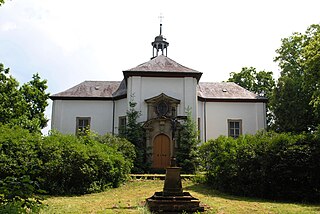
x=209, y=191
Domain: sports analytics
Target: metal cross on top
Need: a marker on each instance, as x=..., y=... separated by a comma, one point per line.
x=161, y=17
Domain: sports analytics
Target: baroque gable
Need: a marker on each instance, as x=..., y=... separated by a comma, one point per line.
x=162, y=106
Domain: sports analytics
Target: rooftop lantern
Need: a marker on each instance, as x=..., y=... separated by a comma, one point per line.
x=159, y=43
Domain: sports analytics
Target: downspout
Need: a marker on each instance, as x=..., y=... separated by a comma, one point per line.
x=205, y=119
x=113, y=114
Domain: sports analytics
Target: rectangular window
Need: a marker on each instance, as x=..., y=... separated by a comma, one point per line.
x=199, y=130
x=234, y=128
x=122, y=125
x=82, y=125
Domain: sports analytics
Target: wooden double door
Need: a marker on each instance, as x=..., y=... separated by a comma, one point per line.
x=161, y=152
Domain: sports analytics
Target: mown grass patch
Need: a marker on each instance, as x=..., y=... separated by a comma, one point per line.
x=130, y=198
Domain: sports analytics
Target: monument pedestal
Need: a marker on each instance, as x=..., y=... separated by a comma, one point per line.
x=173, y=199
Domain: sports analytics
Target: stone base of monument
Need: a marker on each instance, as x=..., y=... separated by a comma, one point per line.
x=173, y=199
x=185, y=203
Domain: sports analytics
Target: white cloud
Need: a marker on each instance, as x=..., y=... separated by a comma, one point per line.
x=7, y=26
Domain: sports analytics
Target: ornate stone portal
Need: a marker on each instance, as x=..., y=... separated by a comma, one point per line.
x=162, y=109
x=173, y=199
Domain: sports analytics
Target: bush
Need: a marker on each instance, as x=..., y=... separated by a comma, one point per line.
x=268, y=165
x=58, y=164
x=82, y=165
x=19, y=170
x=122, y=145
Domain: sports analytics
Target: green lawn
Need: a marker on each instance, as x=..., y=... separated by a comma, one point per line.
x=130, y=198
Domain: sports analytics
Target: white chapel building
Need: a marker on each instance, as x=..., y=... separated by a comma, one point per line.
x=163, y=90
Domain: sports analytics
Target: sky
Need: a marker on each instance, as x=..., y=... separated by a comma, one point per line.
x=70, y=41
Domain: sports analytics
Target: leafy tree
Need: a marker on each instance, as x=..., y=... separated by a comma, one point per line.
x=294, y=99
x=11, y=100
x=25, y=105
x=188, y=141
x=134, y=133
x=1, y=2
x=245, y=78
x=36, y=99
x=261, y=83
x=311, y=65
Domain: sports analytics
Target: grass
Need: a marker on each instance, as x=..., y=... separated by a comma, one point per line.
x=130, y=198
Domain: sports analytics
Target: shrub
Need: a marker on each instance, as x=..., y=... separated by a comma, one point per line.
x=269, y=165
x=58, y=164
x=81, y=165
x=19, y=170
x=122, y=145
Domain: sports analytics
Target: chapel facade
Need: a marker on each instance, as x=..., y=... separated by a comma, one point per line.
x=163, y=90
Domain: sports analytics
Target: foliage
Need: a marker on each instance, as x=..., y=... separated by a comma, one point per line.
x=34, y=94
x=57, y=164
x=80, y=165
x=122, y=145
x=19, y=170
x=261, y=83
x=134, y=133
x=23, y=106
x=311, y=65
x=1, y=2
x=188, y=141
x=297, y=90
x=249, y=165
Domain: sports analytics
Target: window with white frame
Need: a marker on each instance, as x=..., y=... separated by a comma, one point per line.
x=82, y=125
x=234, y=128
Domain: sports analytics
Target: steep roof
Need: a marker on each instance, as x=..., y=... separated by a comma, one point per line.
x=226, y=91
x=162, y=66
x=89, y=90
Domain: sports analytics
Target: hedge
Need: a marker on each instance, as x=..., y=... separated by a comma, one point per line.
x=266, y=165
x=74, y=165
x=31, y=164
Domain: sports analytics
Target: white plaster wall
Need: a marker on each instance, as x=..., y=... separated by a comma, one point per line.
x=183, y=89
x=253, y=117
x=64, y=113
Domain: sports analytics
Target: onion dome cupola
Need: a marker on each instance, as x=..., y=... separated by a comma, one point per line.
x=159, y=43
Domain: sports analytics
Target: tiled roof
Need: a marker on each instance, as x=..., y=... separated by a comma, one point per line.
x=162, y=63
x=89, y=90
x=225, y=90
x=116, y=89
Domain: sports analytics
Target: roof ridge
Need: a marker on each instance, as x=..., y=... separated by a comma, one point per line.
x=162, y=63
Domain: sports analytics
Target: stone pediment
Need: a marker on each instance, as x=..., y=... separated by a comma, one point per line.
x=162, y=97
x=162, y=106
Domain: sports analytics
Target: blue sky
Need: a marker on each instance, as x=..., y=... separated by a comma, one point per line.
x=69, y=41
